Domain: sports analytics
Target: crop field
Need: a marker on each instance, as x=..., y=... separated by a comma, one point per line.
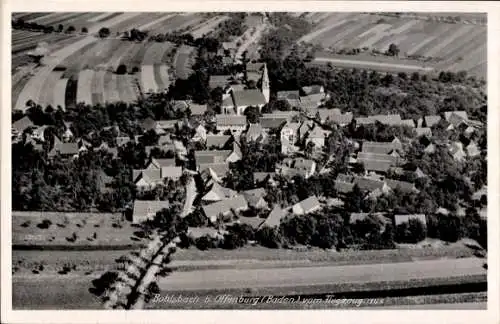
x=208, y=26
x=109, y=229
x=440, y=45
x=183, y=61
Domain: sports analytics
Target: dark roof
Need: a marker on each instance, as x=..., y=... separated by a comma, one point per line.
x=218, y=141
x=376, y=165
x=159, y=163
x=312, y=89
x=399, y=219
x=261, y=176
x=248, y=97
x=255, y=67
x=368, y=184
x=343, y=187
x=288, y=95
x=224, y=206
x=22, y=124
x=377, y=147
x=197, y=109
x=403, y=185
x=66, y=148
x=216, y=156
x=431, y=120
x=230, y=120
x=272, y=122
x=219, y=81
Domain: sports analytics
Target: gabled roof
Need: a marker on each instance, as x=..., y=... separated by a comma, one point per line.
x=408, y=122
x=377, y=147
x=261, y=176
x=149, y=175
x=421, y=131
x=367, y=184
x=22, y=124
x=230, y=120
x=147, y=209
x=309, y=204
x=219, y=80
x=197, y=109
x=377, y=217
x=393, y=119
x=218, y=141
x=254, y=132
x=225, y=206
x=288, y=95
x=334, y=116
x=216, y=156
x=255, y=67
x=254, y=222
x=343, y=187
x=318, y=132
x=274, y=217
x=313, y=89
x=344, y=177
x=403, y=185
x=166, y=124
x=66, y=149
x=303, y=164
x=220, y=169
x=399, y=219
x=460, y=113
x=363, y=156
x=248, y=97
x=432, y=120
x=160, y=163
x=171, y=172
x=376, y=165
x=219, y=191
x=273, y=122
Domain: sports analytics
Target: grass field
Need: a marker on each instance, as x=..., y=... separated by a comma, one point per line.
x=452, y=47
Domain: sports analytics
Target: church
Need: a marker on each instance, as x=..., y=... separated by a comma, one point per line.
x=235, y=100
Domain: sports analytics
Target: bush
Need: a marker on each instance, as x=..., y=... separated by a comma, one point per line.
x=268, y=237
x=122, y=69
x=85, y=30
x=412, y=232
x=104, y=32
x=44, y=224
x=204, y=243
x=135, y=69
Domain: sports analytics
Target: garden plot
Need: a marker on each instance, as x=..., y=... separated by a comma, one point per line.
x=118, y=54
x=126, y=88
x=208, y=26
x=39, y=18
x=133, y=22
x=111, y=93
x=477, y=35
x=84, y=90
x=97, y=87
x=148, y=83
x=162, y=77
x=32, y=88
x=46, y=96
x=155, y=53
x=29, y=16
x=59, y=94
x=101, y=17
x=443, y=32
x=59, y=18
x=462, y=31
x=177, y=22
x=339, y=21
x=183, y=61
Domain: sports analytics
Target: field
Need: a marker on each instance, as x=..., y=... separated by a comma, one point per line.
x=429, y=43
x=183, y=61
x=92, y=62
x=109, y=229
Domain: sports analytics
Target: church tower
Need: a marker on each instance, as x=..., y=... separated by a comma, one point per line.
x=265, y=84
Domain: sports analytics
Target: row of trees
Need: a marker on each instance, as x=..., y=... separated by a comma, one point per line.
x=33, y=26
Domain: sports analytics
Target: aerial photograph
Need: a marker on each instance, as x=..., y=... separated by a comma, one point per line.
x=249, y=160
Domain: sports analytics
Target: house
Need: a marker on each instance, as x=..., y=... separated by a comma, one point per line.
x=235, y=124
x=197, y=232
x=378, y=147
x=217, y=193
x=247, y=98
x=423, y=131
x=255, y=198
x=217, y=141
x=227, y=60
x=393, y=120
x=408, y=123
x=274, y=218
x=255, y=133
x=363, y=156
x=289, y=136
x=219, y=81
x=292, y=97
x=369, y=184
x=147, y=179
x=343, y=187
x=19, y=126
x=314, y=94
x=431, y=120
x=400, y=219
x=317, y=136
x=162, y=126
x=200, y=133
x=298, y=166
x=461, y=114
x=430, y=149
x=376, y=165
x=147, y=209
x=401, y=185
x=472, y=149
x=197, y=110
x=334, y=115
x=38, y=133
x=225, y=207
x=261, y=177
x=122, y=140
x=64, y=150
x=269, y=123
x=306, y=206
x=457, y=151
x=204, y=157
x=216, y=171
x=253, y=222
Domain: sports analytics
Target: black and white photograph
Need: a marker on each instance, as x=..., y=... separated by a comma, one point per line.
x=248, y=160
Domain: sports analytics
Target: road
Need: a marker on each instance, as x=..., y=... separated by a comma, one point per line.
x=190, y=196
x=71, y=292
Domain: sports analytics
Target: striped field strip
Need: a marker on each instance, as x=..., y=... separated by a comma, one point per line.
x=59, y=94
x=101, y=16
x=148, y=82
x=84, y=91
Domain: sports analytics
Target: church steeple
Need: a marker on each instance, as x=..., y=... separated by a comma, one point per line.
x=265, y=84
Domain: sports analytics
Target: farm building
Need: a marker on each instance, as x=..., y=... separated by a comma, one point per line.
x=306, y=206
x=147, y=209
x=218, y=193
x=225, y=208
x=235, y=124
x=400, y=219
x=218, y=141
x=275, y=216
x=255, y=198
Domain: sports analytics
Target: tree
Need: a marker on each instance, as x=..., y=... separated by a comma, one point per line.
x=393, y=50
x=60, y=28
x=268, y=237
x=84, y=30
x=252, y=114
x=412, y=231
x=70, y=29
x=104, y=32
